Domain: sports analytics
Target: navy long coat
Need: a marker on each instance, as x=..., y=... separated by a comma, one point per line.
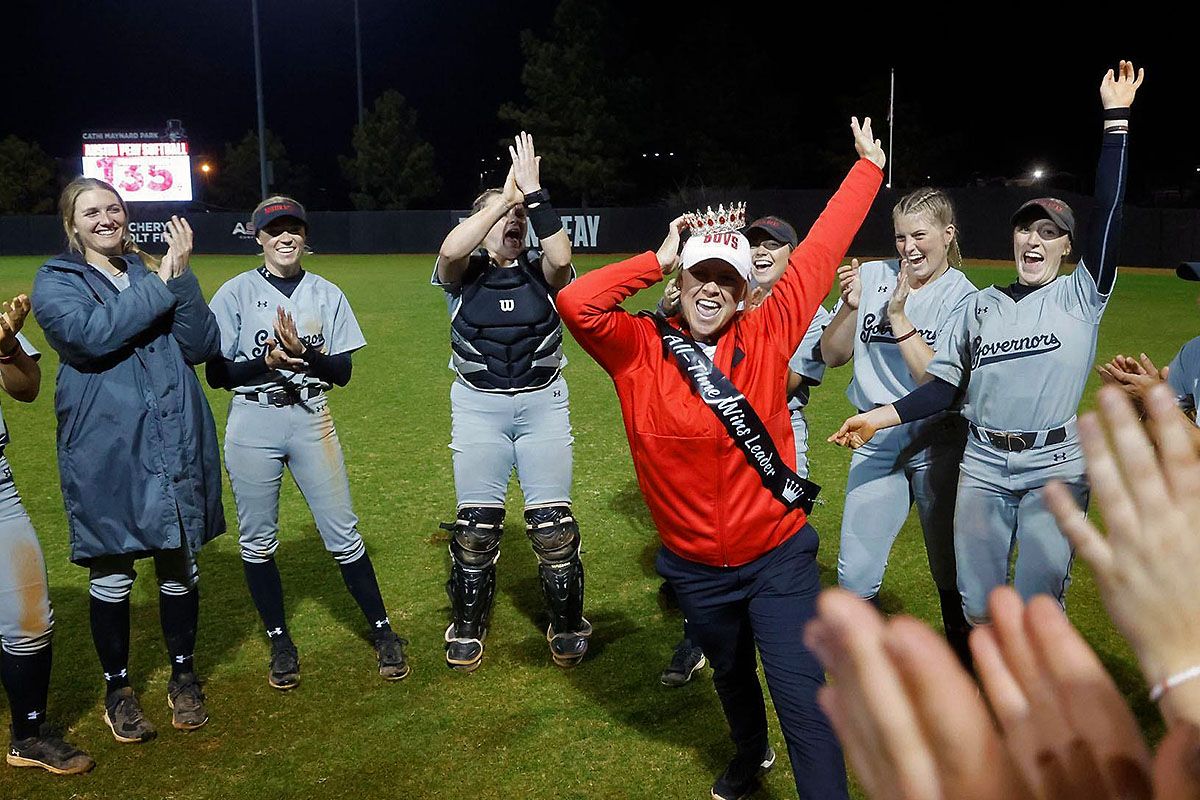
x=137, y=445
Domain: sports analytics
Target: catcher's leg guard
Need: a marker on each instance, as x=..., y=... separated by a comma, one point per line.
x=555, y=537
x=474, y=549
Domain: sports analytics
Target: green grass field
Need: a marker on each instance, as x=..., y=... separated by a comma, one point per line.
x=519, y=727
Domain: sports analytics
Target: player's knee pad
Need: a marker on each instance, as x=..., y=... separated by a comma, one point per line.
x=112, y=588
x=475, y=536
x=555, y=537
x=474, y=549
x=553, y=532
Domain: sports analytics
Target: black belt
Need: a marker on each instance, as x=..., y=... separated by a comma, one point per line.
x=1017, y=441
x=283, y=397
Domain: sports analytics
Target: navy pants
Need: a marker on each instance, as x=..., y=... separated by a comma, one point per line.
x=766, y=603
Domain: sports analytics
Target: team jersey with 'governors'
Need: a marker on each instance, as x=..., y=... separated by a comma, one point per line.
x=1184, y=377
x=245, y=308
x=916, y=462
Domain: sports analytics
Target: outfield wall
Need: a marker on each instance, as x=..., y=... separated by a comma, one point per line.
x=1152, y=237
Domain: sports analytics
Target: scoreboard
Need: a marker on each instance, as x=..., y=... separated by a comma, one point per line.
x=143, y=166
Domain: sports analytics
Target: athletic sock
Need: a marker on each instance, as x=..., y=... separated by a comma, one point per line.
x=364, y=588
x=179, y=614
x=26, y=680
x=110, y=634
x=266, y=590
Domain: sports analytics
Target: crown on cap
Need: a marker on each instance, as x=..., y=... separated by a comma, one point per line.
x=719, y=221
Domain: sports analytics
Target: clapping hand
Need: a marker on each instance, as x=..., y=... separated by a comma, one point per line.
x=899, y=298
x=11, y=321
x=526, y=164
x=849, y=284
x=178, y=235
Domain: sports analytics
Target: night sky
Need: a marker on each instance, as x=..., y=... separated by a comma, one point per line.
x=991, y=92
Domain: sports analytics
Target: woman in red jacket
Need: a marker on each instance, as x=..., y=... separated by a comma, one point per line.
x=709, y=429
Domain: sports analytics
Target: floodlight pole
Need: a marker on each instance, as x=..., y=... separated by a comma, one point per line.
x=262, y=120
x=891, y=153
x=358, y=62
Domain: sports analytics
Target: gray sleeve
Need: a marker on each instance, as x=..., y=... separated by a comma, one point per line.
x=225, y=309
x=951, y=362
x=807, y=361
x=1182, y=374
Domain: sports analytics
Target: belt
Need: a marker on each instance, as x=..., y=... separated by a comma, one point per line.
x=1017, y=441
x=283, y=397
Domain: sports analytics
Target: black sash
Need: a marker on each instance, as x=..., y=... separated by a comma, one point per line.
x=738, y=418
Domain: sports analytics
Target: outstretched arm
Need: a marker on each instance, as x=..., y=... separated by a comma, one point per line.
x=467, y=235
x=556, y=244
x=1104, y=230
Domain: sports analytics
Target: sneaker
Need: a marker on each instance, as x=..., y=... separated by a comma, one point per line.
x=125, y=718
x=568, y=648
x=390, y=649
x=284, y=670
x=186, y=702
x=686, y=661
x=463, y=654
x=51, y=753
x=741, y=778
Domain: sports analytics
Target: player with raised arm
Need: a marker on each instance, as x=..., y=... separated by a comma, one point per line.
x=287, y=338
x=1022, y=354
x=705, y=411
x=509, y=408
x=889, y=320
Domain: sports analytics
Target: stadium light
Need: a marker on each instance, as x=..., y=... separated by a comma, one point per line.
x=206, y=168
x=1038, y=173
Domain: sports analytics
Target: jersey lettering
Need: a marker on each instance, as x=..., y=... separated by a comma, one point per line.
x=879, y=329
x=1008, y=349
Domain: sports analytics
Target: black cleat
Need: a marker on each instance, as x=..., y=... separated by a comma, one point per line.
x=389, y=647
x=125, y=717
x=51, y=753
x=685, y=663
x=186, y=702
x=569, y=647
x=463, y=653
x=741, y=778
x=284, y=670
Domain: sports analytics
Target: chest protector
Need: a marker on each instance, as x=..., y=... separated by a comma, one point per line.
x=506, y=335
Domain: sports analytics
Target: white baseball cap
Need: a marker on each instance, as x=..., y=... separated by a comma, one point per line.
x=731, y=247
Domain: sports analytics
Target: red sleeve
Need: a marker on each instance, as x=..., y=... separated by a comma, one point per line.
x=813, y=264
x=590, y=307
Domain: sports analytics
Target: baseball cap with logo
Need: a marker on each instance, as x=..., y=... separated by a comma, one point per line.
x=773, y=228
x=278, y=209
x=1050, y=208
x=729, y=246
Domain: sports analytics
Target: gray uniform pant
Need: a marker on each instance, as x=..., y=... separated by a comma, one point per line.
x=491, y=433
x=26, y=617
x=916, y=462
x=1001, y=509
x=259, y=441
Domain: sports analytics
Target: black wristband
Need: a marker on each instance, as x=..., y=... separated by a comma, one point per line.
x=534, y=198
x=1116, y=113
x=544, y=219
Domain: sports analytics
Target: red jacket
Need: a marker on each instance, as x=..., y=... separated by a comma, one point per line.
x=707, y=502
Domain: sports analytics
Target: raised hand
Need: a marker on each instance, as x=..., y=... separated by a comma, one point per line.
x=896, y=302
x=669, y=304
x=668, y=251
x=178, y=235
x=286, y=333
x=11, y=321
x=526, y=167
x=512, y=194
x=1117, y=91
x=1135, y=376
x=1147, y=488
x=866, y=144
x=849, y=283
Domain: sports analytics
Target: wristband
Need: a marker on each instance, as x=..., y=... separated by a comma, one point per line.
x=1116, y=113
x=1171, y=681
x=542, y=216
x=908, y=335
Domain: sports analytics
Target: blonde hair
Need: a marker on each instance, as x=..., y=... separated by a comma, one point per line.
x=479, y=202
x=66, y=207
x=937, y=205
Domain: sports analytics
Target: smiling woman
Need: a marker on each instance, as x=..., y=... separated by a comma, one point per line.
x=1019, y=356
x=137, y=446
